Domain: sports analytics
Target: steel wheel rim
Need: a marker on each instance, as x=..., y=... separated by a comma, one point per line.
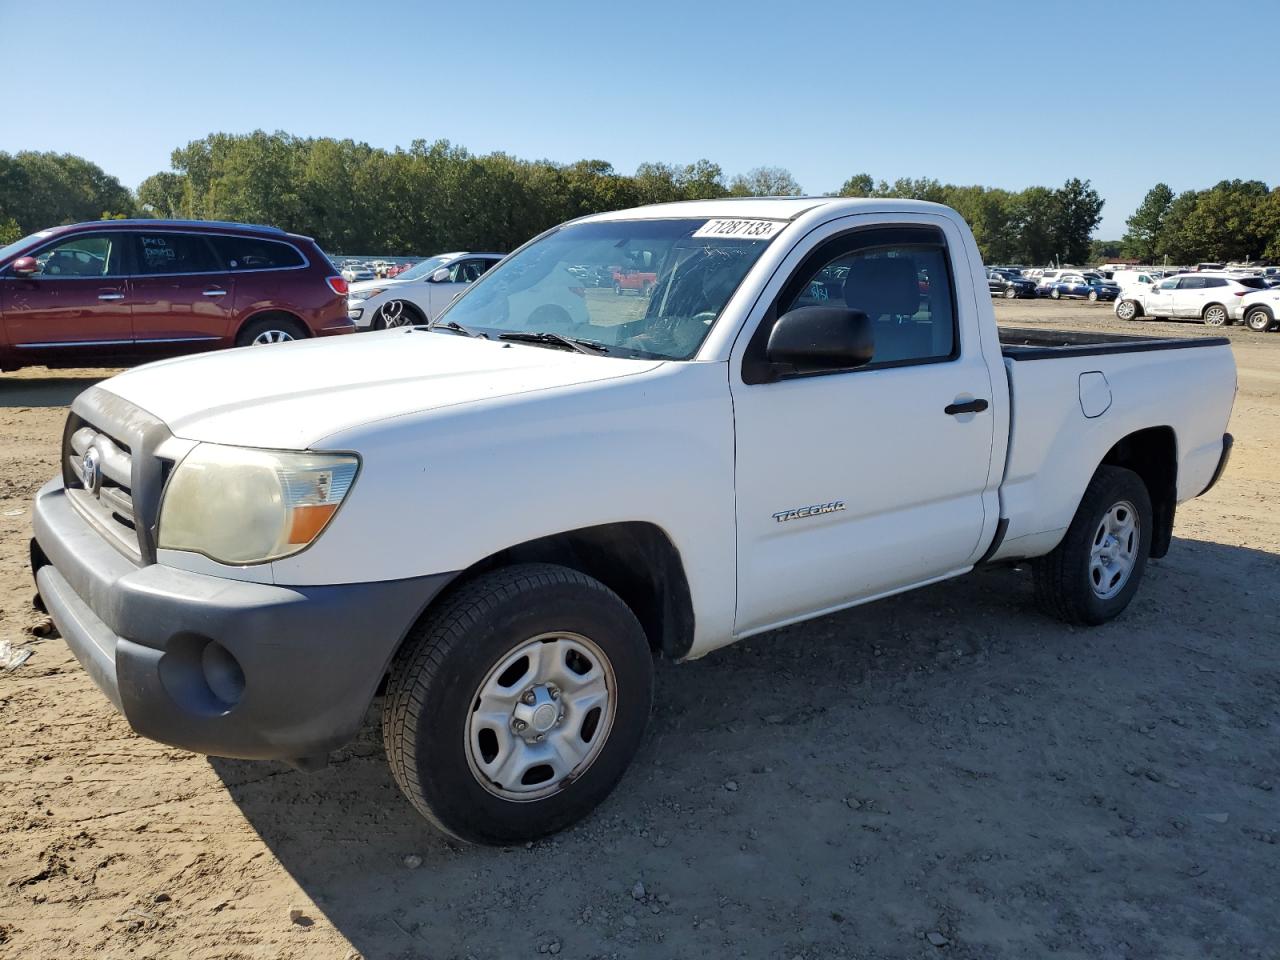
x=1215, y=316
x=536, y=727
x=395, y=314
x=1114, y=552
x=272, y=336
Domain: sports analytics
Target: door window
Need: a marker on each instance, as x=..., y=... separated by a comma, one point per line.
x=175, y=253
x=1191, y=283
x=1168, y=284
x=88, y=255
x=252, y=253
x=898, y=277
x=467, y=271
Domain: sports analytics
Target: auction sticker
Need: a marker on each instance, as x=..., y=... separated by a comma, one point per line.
x=734, y=228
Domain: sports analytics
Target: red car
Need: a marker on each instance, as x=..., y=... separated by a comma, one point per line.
x=116, y=292
x=627, y=278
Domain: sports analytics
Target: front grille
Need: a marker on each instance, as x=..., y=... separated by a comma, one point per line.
x=111, y=470
x=100, y=473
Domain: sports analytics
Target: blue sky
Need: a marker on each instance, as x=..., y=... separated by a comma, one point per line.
x=1002, y=94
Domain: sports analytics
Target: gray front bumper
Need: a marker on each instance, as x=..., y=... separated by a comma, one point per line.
x=304, y=662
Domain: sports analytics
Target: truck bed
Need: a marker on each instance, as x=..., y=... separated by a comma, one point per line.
x=1022, y=343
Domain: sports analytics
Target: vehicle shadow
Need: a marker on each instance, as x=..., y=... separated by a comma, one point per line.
x=945, y=765
x=51, y=391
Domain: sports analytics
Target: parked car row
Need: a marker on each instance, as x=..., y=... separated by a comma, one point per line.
x=125, y=291
x=1215, y=299
x=1010, y=283
x=417, y=295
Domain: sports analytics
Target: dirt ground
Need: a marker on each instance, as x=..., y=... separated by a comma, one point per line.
x=947, y=773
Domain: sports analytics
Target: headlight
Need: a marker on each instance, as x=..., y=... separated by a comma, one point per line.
x=237, y=505
x=365, y=294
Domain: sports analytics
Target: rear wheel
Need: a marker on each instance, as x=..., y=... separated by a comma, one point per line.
x=1055, y=293
x=270, y=329
x=1091, y=576
x=1215, y=315
x=1258, y=320
x=515, y=707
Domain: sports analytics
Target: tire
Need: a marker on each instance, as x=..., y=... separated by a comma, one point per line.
x=270, y=329
x=1073, y=582
x=1093, y=296
x=461, y=655
x=1258, y=320
x=1128, y=310
x=1055, y=293
x=1215, y=315
x=1010, y=292
x=397, y=313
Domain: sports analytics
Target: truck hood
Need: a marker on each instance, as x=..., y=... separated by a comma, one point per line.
x=292, y=395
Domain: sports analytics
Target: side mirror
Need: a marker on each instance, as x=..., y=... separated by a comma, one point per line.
x=441, y=275
x=25, y=266
x=820, y=339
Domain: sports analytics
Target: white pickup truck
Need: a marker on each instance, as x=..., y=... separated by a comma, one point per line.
x=499, y=520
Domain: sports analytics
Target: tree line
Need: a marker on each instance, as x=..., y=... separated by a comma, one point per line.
x=433, y=196
x=1234, y=220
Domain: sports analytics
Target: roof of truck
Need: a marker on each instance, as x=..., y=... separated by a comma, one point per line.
x=766, y=208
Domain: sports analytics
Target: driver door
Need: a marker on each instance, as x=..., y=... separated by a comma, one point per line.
x=1159, y=299
x=76, y=303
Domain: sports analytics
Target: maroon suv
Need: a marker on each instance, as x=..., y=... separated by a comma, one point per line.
x=117, y=292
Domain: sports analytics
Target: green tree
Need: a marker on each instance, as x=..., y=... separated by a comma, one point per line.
x=765, y=182
x=859, y=185
x=1077, y=211
x=10, y=231
x=1146, y=223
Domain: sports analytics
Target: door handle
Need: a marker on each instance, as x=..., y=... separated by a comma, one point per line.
x=215, y=293
x=111, y=296
x=968, y=406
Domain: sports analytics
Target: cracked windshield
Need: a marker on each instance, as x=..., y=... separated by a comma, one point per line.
x=649, y=288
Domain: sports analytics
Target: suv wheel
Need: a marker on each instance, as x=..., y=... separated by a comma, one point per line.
x=1215, y=315
x=1094, y=572
x=270, y=329
x=1127, y=310
x=396, y=313
x=514, y=708
x=1010, y=292
x=1258, y=320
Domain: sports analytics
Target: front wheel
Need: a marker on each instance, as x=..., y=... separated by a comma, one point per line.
x=1091, y=576
x=1010, y=292
x=396, y=313
x=1215, y=315
x=1093, y=296
x=1258, y=320
x=1126, y=310
x=515, y=707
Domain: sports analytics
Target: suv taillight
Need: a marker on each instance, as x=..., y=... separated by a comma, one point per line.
x=337, y=284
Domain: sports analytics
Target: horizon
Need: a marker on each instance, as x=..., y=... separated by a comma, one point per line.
x=541, y=85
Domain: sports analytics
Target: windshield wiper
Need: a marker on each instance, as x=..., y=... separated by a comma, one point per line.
x=554, y=339
x=456, y=328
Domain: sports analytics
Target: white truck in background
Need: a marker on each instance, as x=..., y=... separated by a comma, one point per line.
x=499, y=519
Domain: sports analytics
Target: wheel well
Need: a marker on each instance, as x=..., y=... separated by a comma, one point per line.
x=1153, y=455
x=635, y=560
x=274, y=314
x=1214, y=304
x=1260, y=307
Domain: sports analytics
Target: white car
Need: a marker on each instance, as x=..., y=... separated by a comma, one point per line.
x=1261, y=309
x=419, y=294
x=1134, y=279
x=353, y=274
x=783, y=427
x=1213, y=298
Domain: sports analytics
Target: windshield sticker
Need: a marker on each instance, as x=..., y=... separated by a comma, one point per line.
x=735, y=229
